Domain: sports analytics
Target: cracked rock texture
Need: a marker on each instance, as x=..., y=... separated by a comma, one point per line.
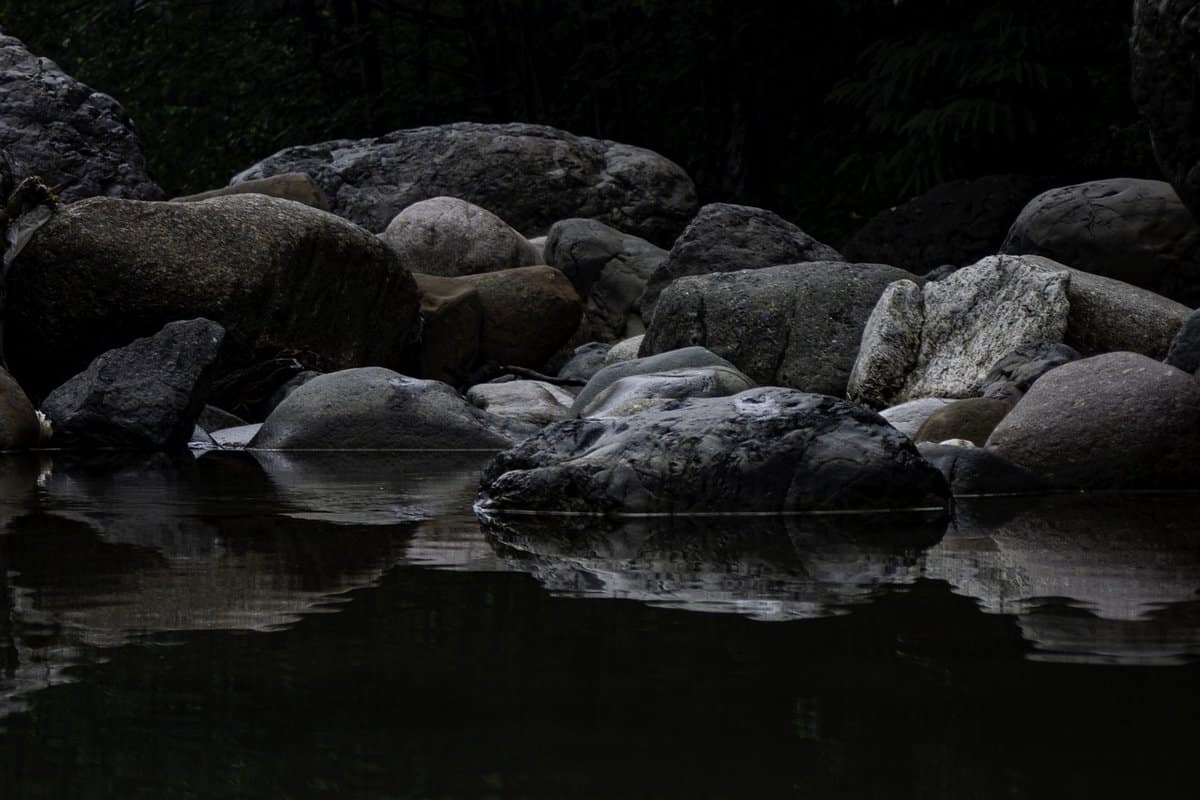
x=726, y=238
x=968, y=321
x=766, y=449
x=529, y=175
x=796, y=325
x=78, y=140
x=1136, y=231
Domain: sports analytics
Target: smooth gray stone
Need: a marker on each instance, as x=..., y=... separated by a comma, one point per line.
x=451, y=237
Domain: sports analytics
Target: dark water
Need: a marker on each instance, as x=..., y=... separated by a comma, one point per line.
x=345, y=628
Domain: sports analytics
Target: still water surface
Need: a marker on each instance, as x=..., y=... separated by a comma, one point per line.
x=343, y=626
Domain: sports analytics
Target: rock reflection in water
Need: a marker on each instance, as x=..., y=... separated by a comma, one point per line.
x=765, y=567
x=1101, y=578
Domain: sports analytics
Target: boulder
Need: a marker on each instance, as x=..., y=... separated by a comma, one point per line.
x=1012, y=375
x=533, y=402
x=1133, y=230
x=609, y=269
x=76, y=139
x=1108, y=315
x=586, y=361
x=625, y=350
x=955, y=223
x=1184, y=352
x=530, y=175
x=727, y=238
x=372, y=408
x=451, y=237
x=910, y=416
x=763, y=450
x=635, y=393
x=1165, y=56
x=213, y=419
x=1113, y=421
x=522, y=316
x=451, y=329
x=976, y=471
x=144, y=396
x=298, y=187
x=684, y=358
x=967, y=322
x=972, y=420
x=19, y=428
x=796, y=325
x=280, y=277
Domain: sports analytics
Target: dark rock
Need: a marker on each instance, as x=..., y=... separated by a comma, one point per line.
x=77, y=140
x=609, y=269
x=683, y=358
x=635, y=393
x=1133, y=230
x=972, y=419
x=1185, y=347
x=280, y=277
x=451, y=237
x=975, y=470
x=944, y=271
x=372, y=408
x=529, y=175
x=1108, y=315
x=586, y=362
x=214, y=419
x=796, y=325
x=144, y=396
x=727, y=238
x=1013, y=374
x=290, y=385
x=298, y=187
x=451, y=329
x=1165, y=55
x=1114, y=421
x=952, y=225
x=767, y=450
x=19, y=428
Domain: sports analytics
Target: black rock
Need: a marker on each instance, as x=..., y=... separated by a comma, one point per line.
x=765, y=449
x=587, y=360
x=1185, y=347
x=976, y=470
x=1013, y=374
x=144, y=396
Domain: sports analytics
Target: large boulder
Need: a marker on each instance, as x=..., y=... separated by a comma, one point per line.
x=609, y=269
x=955, y=223
x=371, y=408
x=942, y=339
x=796, y=325
x=146, y=395
x=296, y=186
x=448, y=236
x=78, y=140
x=1113, y=421
x=1136, y=231
x=19, y=428
x=530, y=175
x=635, y=393
x=1109, y=315
x=280, y=277
x=726, y=238
x=1165, y=55
x=524, y=315
x=766, y=450
x=683, y=358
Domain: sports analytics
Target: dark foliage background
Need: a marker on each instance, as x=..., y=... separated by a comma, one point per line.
x=825, y=110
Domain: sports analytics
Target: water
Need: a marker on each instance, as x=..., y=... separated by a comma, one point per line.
x=344, y=627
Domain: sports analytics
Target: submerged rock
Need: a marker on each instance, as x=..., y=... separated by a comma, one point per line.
x=767, y=449
x=529, y=175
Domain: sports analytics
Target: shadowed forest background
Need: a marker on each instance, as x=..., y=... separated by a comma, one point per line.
x=825, y=111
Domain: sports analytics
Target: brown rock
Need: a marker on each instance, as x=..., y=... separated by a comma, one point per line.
x=297, y=186
x=972, y=419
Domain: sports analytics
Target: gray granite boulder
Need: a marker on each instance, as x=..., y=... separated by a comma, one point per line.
x=766, y=450
x=76, y=139
x=1133, y=230
x=451, y=237
x=796, y=325
x=146, y=395
x=1165, y=56
x=978, y=471
x=727, y=238
x=609, y=269
x=371, y=408
x=635, y=393
x=908, y=417
x=529, y=175
x=968, y=321
x=280, y=277
x=683, y=358
x=533, y=402
x=1113, y=421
